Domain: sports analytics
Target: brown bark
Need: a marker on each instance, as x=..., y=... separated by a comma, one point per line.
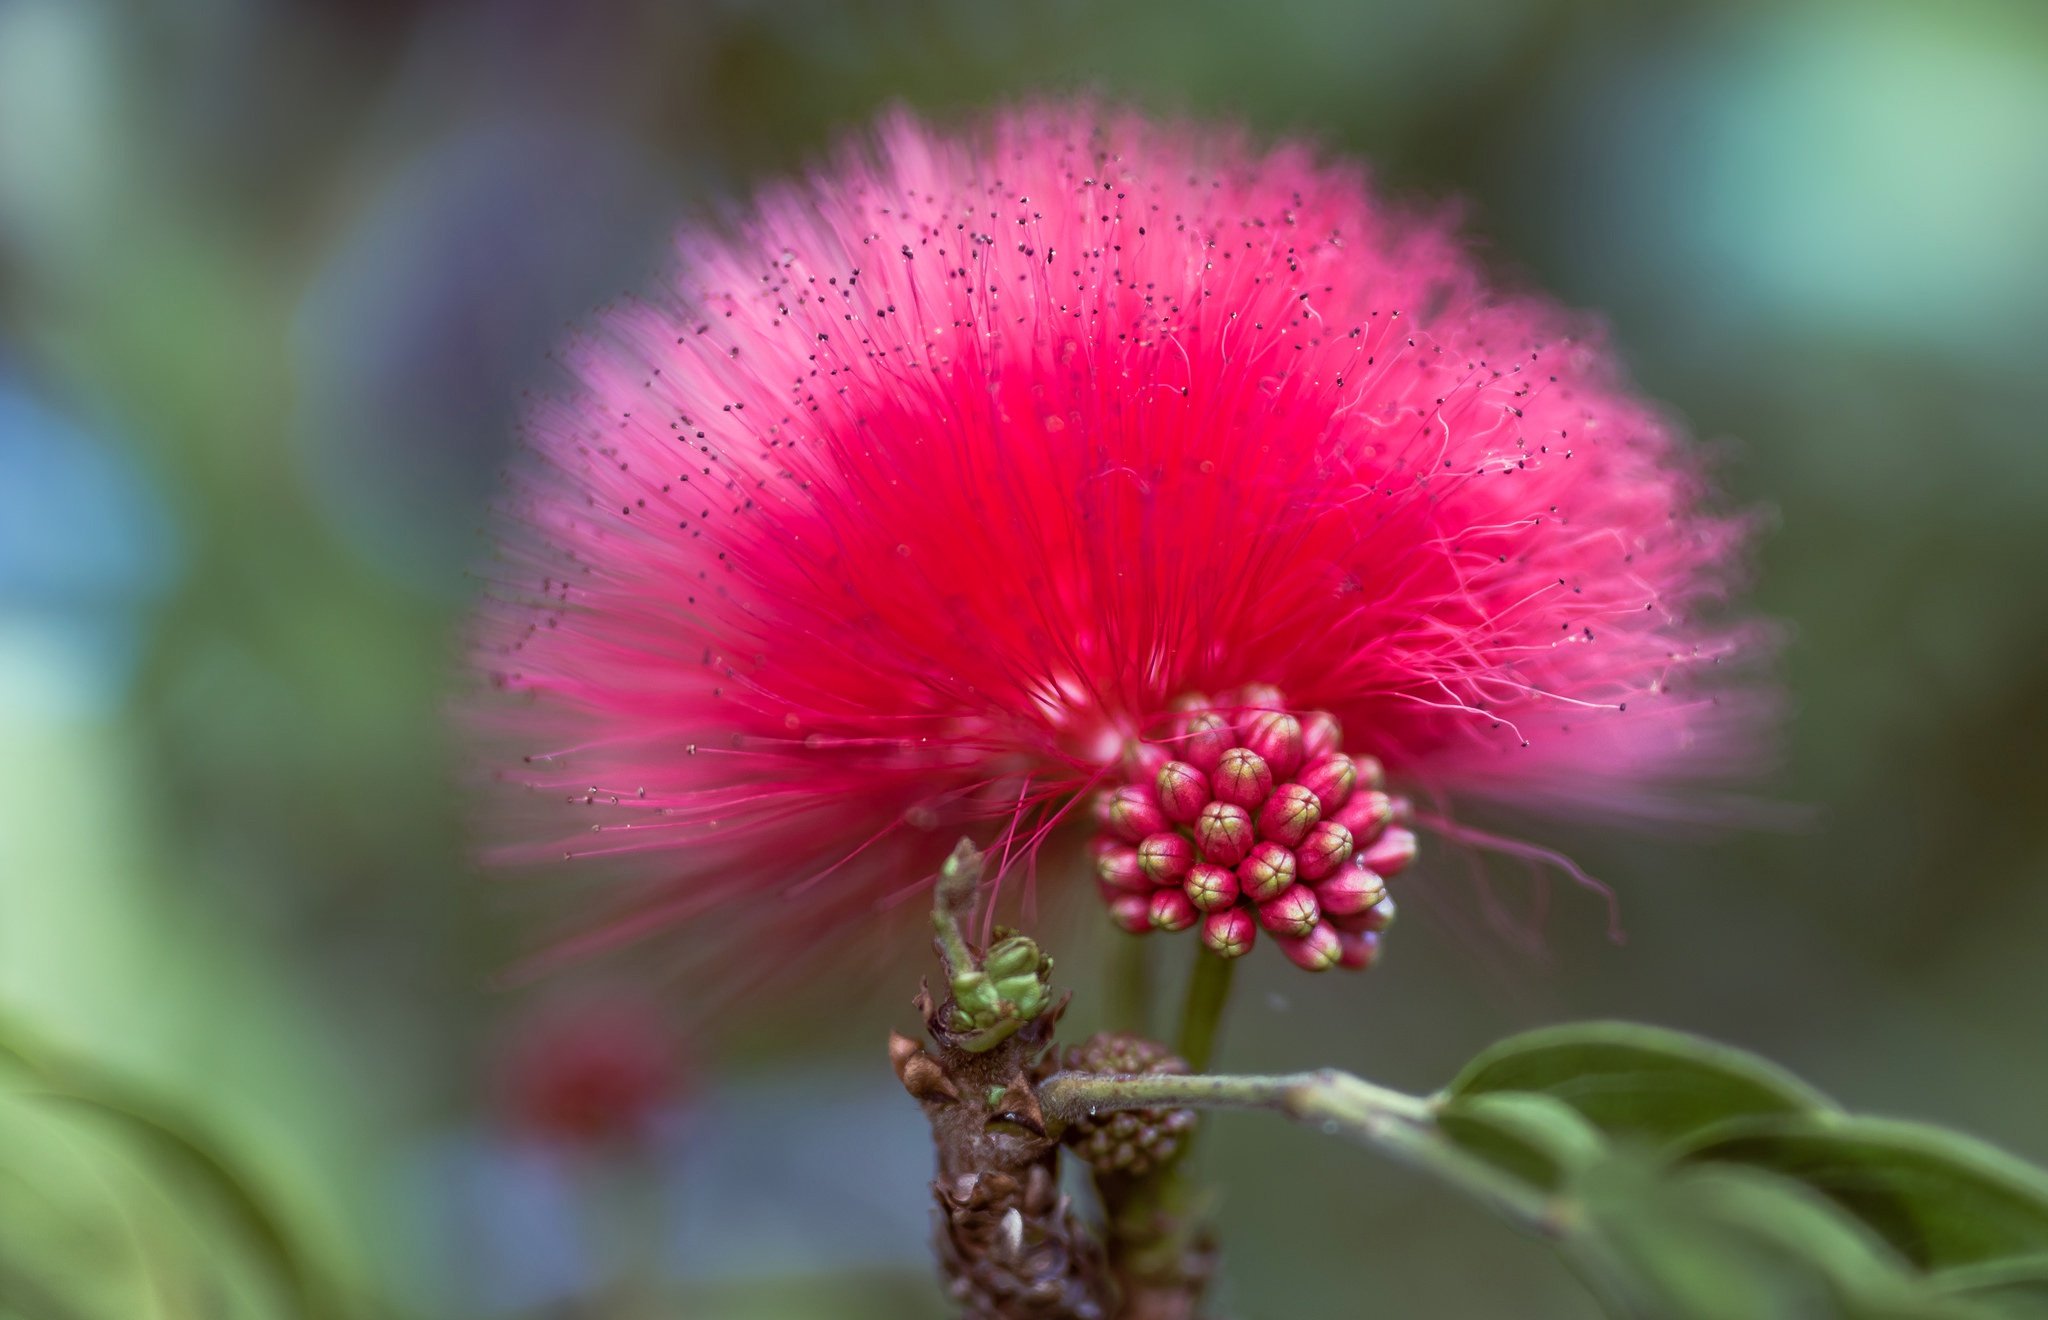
x=1010, y=1246
x=1009, y=1243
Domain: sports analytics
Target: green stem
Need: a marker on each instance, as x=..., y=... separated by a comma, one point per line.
x=1130, y=984
x=1400, y=1125
x=1159, y=1239
x=953, y=902
x=1202, y=1014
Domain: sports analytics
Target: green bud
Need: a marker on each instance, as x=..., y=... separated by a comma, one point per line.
x=1023, y=991
x=1016, y=956
x=977, y=997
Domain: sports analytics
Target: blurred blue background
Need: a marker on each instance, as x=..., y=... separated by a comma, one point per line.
x=272, y=277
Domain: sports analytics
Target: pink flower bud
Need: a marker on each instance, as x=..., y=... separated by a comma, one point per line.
x=1316, y=951
x=1134, y=813
x=1289, y=814
x=1357, y=952
x=1294, y=912
x=1353, y=890
x=1331, y=779
x=1243, y=777
x=1202, y=739
x=1099, y=806
x=1320, y=735
x=1266, y=872
x=1229, y=932
x=1210, y=887
x=1183, y=792
x=1380, y=915
x=1327, y=847
x=1392, y=853
x=1166, y=858
x=1276, y=736
x=1170, y=910
x=1365, y=815
x=1224, y=833
x=1371, y=774
x=1132, y=913
x=1144, y=760
x=1253, y=698
x=1117, y=866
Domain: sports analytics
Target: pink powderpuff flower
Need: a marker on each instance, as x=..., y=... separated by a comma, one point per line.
x=588, y=1073
x=932, y=492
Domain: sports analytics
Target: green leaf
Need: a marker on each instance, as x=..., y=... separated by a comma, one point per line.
x=1724, y=1242
x=2015, y=1288
x=1537, y=1138
x=124, y=1219
x=1942, y=1199
x=117, y=1205
x=1790, y=1217
x=191, y=1164
x=1638, y=1082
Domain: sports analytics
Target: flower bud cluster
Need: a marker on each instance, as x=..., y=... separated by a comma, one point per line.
x=1245, y=817
x=1133, y=1141
x=1013, y=984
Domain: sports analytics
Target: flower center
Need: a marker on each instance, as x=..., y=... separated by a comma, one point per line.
x=1248, y=815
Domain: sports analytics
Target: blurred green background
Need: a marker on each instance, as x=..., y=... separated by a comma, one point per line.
x=272, y=277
